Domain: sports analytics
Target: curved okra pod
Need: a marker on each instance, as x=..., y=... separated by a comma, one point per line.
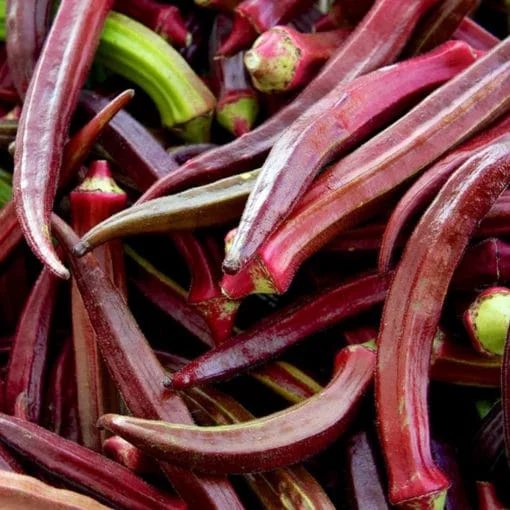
x=137, y=53
x=361, y=53
x=426, y=187
x=50, y=101
x=137, y=373
x=27, y=26
x=410, y=317
x=356, y=187
x=203, y=206
x=282, y=329
x=75, y=152
x=276, y=440
x=347, y=115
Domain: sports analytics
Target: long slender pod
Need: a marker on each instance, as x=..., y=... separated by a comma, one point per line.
x=410, y=317
x=49, y=103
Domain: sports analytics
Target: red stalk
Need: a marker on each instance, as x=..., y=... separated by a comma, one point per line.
x=423, y=191
x=355, y=57
x=346, y=116
x=82, y=468
x=165, y=20
x=472, y=33
x=27, y=23
x=27, y=360
x=241, y=36
x=283, y=59
x=266, y=443
x=355, y=188
x=410, y=317
x=60, y=73
x=282, y=329
x=136, y=371
x=95, y=199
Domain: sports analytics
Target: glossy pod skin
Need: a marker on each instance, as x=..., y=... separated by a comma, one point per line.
x=476, y=36
x=354, y=189
x=49, y=103
x=276, y=440
x=282, y=329
x=213, y=204
x=137, y=373
x=410, y=317
x=341, y=120
x=75, y=152
x=426, y=187
x=354, y=58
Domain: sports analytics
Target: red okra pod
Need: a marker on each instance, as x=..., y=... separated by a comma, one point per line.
x=27, y=360
x=355, y=9
x=282, y=329
x=360, y=54
x=477, y=37
x=96, y=198
x=75, y=152
x=410, y=317
x=438, y=25
x=82, y=468
x=364, y=481
x=50, y=101
x=266, y=443
x=18, y=491
x=357, y=186
x=165, y=20
x=342, y=119
x=422, y=192
x=27, y=24
x=136, y=371
x=283, y=59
